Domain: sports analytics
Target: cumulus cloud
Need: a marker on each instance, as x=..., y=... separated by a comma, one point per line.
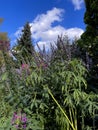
x=44, y=31
x=52, y=34
x=77, y=4
x=42, y=24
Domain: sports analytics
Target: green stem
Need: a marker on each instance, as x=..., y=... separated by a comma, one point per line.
x=75, y=119
x=61, y=109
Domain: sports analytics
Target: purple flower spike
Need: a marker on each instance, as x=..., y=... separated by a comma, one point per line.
x=24, y=126
x=19, y=120
x=24, y=119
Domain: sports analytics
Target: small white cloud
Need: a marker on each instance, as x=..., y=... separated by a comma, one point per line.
x=77, y=4
x=44, y=32
x=74, y=33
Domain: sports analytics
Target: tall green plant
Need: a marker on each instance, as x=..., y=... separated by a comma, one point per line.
x=53, y=95
x=67, y=82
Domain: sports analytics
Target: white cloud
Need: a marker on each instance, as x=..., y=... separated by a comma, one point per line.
x=74, y=32
x=44, y=32
x=77, y=4
x=51, y=35
x=43, y=22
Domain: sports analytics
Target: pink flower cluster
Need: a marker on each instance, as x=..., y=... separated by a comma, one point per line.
x=19, y=120
x=25, y=66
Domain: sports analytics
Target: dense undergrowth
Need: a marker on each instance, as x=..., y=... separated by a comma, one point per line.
x=47, y=91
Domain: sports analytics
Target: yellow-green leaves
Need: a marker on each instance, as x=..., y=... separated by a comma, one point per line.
x=4, y=76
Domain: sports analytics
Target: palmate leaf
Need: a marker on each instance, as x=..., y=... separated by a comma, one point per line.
x=82, y=82
x=77, y=96
x=84, y=96
x=68, y=101
x=71, y=77
x=91, y=105
x=77, y=67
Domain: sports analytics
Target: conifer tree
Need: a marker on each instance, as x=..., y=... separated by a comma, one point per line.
x=25, y=42
x=91, y=19
x=89, y=39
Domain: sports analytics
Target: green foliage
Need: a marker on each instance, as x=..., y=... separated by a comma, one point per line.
x=91, y=19
x=24, y=46
x=88, y=43
x=53, y=97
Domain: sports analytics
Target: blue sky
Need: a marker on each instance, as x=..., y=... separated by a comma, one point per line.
x=48, y=18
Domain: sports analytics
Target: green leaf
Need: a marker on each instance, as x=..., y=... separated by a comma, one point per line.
x=4, y=76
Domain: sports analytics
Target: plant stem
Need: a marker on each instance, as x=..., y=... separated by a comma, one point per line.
x=61, y=109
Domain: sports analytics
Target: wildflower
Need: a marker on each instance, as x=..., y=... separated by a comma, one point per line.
x=24, y=119
x=19, y=120
x=24, y=126
x=25, y=66
x=14, y=117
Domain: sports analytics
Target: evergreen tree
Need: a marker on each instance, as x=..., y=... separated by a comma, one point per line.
x=25, y=46
x=89, y=39
x=25, y=40
x=91, y=20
